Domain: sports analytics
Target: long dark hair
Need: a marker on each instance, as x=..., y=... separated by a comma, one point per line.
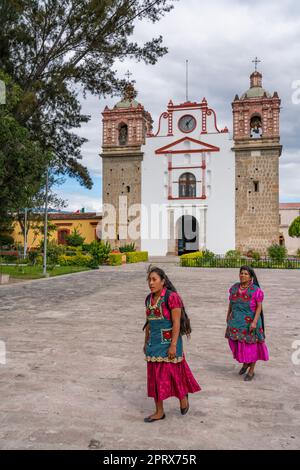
x=185, y=324
x=255, y=281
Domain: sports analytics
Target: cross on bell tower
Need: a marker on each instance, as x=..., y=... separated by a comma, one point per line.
x=256, y=61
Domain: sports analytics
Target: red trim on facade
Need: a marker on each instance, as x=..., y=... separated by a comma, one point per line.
x=176, y=198
x=163, y=115
x=167, y=148
x=208, y=113
x=185, y=167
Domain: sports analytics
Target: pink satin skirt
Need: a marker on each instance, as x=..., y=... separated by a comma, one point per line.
x=246, y=353
x=166, y=379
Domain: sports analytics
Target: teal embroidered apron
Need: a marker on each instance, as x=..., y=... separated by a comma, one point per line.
x=160, y=336
x=238, y=327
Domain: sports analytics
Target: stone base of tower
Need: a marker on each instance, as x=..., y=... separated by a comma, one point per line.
x=257, y=195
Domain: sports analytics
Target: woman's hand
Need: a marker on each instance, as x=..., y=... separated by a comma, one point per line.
x=253, y=326
x=172, y=352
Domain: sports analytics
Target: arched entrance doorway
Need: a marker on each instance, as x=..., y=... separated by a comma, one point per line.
x=187, y=234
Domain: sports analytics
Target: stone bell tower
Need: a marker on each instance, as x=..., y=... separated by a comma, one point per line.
x=124, y=133
x=257, y=150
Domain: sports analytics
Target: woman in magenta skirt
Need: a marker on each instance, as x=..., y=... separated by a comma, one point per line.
x=245, y=322
x=168, y=374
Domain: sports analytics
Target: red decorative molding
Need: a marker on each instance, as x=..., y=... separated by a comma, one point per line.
x=168, y=148
x=176, y=198
x=208, y=113
x=164, y=116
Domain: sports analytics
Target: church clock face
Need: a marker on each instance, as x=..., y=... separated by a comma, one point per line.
x=187, y=123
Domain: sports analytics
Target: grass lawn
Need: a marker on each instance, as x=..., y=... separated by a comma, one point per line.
x=36, y=272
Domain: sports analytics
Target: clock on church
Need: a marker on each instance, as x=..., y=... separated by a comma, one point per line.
x=187, y=123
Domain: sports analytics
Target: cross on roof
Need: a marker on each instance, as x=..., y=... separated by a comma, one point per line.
x=256, y=61
x=128, y=74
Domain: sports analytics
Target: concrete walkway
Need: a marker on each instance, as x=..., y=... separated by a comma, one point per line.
x=75, y=370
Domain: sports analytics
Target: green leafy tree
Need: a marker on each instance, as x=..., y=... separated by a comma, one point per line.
x=294, y=228
x=75, y=238
x=54, y=48
x=22, y=160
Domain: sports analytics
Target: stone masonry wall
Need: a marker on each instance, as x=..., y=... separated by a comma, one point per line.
x=257, y=199
x=122, y=177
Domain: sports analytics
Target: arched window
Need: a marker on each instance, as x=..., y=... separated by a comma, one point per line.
x=187, y=185
x=255, y=127
x=123, y=134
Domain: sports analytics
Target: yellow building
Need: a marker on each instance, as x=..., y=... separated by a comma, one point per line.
x=85, y=223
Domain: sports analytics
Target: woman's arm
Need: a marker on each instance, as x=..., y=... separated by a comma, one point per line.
x=147, y=332
x=229, y=311
x=176, y=315
x=257, y=314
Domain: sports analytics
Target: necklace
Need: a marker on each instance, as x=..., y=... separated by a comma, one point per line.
x=244, y=288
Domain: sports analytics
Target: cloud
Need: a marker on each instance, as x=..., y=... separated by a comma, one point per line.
x=220, y=39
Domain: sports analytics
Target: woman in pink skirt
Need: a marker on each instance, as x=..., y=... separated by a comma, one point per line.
x=168, y=373
x=245, y=322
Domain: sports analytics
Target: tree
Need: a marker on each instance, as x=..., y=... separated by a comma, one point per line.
x=22, y=160
x=294, y=228
x=54, y=48
x=75, y=238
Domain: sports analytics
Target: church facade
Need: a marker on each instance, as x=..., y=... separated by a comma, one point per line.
x=188, y=185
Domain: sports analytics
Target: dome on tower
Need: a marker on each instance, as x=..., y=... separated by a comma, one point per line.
x=256, y=90
x=128, y=98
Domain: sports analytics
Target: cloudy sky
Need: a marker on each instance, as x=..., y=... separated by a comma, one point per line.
x=220, y=38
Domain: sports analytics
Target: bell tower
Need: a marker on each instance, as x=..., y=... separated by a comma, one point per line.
x=257, y=150
x=124, y=133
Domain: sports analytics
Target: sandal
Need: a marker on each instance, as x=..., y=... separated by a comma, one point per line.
x=243, y=369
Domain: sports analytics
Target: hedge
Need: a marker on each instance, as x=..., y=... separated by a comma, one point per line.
x=77, y=260
x=115, y=259
x=136, y=256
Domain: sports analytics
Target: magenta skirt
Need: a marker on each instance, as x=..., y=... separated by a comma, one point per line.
x=166, y=379
x=246, y=353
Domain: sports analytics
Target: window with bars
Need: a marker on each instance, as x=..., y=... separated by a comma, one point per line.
x=187, y=185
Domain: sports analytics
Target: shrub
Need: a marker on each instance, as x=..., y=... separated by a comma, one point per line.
x=33, y=257
x=6, y=240
x=100, y=252
x=75, y=239
x=256, y=255
x=195, y=254
x=54, y=251
x=208, y=255
x=115, y=259
x=277, y=252
x=233, y=254
x=127, y=248
x=136, y=256
x=298, y=253
x=77, y=260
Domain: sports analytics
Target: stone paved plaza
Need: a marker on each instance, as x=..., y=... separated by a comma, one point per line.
x=75, y=370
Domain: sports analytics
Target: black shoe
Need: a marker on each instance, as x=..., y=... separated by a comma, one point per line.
x=150, y=420
x=243, y=370
x=184, y=411
x=248, y=377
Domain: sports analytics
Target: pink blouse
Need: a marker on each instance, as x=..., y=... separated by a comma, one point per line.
x=258, y=296
x=174, y=301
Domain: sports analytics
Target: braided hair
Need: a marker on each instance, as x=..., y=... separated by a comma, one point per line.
x=255, y=281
